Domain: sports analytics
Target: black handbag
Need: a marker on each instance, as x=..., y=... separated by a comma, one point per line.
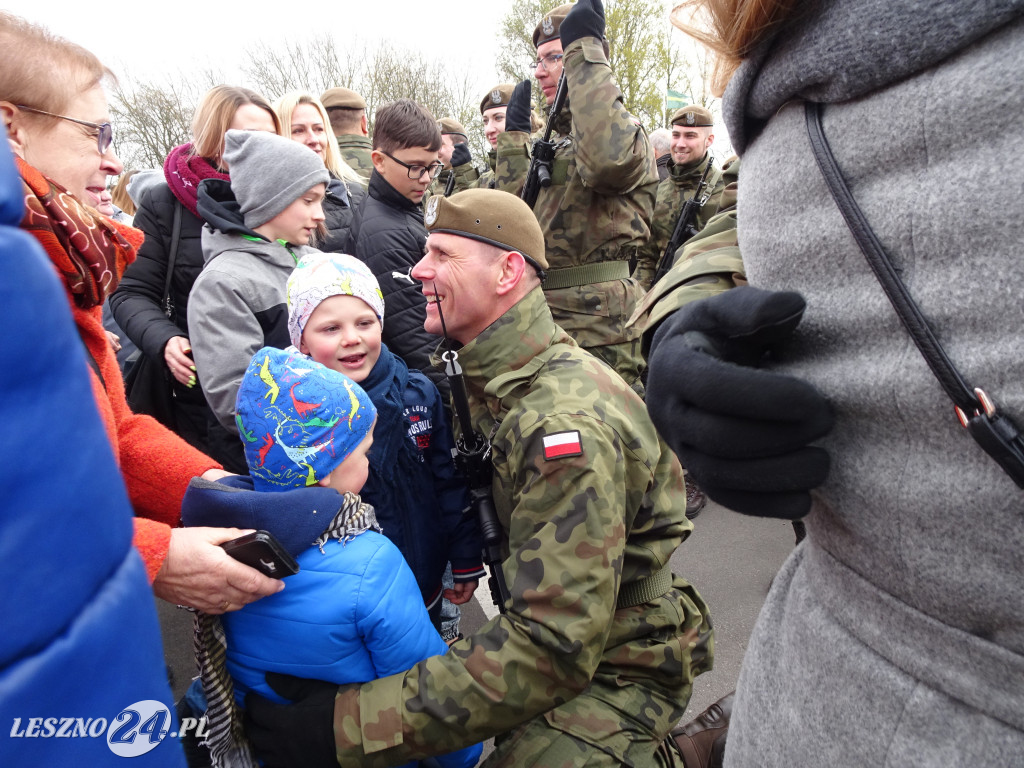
x=148, y=387
x=994, y=432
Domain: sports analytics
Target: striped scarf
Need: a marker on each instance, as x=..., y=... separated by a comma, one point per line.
x=229, y=747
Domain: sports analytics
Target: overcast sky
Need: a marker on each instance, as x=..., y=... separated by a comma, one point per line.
x=148, y=40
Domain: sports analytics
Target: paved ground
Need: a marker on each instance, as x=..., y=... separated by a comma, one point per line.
x=730, y=558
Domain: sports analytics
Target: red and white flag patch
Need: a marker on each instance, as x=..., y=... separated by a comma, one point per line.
x=562, y=444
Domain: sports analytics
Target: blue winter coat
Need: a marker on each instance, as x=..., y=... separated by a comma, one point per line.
x=82, y=643
x=350, y=614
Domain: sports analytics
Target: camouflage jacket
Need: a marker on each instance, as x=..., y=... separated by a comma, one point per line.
x=709, y=263
x=679, y=187
x=355, y=150
x=606, y=513
x=599, y=205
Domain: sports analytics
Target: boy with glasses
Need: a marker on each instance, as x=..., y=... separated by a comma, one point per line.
x=389, y=235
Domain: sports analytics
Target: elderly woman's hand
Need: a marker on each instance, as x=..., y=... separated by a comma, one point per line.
x=179, y=361
x=201, y=575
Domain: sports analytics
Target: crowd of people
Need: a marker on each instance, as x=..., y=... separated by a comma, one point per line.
x=400, y=364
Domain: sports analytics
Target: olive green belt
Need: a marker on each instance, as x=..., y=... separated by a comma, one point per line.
x=645, y=590
x=598, y=272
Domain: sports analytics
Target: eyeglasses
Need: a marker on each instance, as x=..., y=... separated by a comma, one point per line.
x=544, y=62
x=104, y=137
x=417, y=171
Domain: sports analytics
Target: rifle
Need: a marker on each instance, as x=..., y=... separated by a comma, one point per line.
x=473, y=458
x=684, y=228
x=449, y=185
x=542, y=155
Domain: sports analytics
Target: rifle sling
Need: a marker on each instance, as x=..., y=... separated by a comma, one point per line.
x=586, y=274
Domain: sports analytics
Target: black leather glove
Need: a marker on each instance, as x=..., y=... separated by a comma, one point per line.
x=742, y=433
x=517, y=114
x=585, y=19
x=296, y=735
x=461, y=155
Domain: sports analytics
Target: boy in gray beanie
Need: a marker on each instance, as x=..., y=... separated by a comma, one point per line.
x=268, y=172
x=258, y=226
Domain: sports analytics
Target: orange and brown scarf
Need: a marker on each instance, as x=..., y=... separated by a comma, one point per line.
x=90, y=250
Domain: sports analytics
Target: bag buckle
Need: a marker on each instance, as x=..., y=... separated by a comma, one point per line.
x=997, y=435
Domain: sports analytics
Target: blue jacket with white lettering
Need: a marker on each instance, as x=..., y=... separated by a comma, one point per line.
x=83, y=642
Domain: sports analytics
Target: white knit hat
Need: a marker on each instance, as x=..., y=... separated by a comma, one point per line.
x=319, y=276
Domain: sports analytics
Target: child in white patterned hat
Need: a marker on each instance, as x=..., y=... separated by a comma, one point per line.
x=335, y=316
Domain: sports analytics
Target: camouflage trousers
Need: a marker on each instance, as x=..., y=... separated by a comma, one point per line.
x=615, y=721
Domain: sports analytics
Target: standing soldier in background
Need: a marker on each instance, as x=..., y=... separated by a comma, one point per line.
x=592, y=659
x=597, y=211
x=347, y=111
x=457, y=159
x=492, y=111
x=692, y=136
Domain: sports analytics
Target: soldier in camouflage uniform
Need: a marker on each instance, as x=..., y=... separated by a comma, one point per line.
x=347, y=112
x=708, y=264
x=492, y=111
x=597, y=211
x=458, y=162
x=692, y=136
x=593, y=658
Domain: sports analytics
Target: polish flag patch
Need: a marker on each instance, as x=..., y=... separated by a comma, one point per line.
x=562, y=444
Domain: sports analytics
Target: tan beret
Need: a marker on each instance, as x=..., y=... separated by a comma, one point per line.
x=551, y=25
x=448, y=125
x=342, y=97
x=693, y=117
x=498, y=96
x=489, y=216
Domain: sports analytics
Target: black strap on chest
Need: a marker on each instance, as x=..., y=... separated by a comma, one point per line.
x=995, y=433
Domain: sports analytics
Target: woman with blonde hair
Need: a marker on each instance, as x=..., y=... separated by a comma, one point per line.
x=304, y=119
x=168, y=214
x=893, y=634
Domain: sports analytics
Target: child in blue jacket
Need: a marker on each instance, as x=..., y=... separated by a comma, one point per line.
x=336, y=317
x=352, y=613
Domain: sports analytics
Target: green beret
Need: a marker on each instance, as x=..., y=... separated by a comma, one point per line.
x=551, y=25
x=498, y=96
x=693, y=117
x=342, y=97
x=449, y=125
x=489, y=216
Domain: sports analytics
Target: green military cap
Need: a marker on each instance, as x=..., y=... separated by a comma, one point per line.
x=693, y=117
x=551, y=25
x=498, y=96
x=489, y=216
x=342, y=97
x=449, y=125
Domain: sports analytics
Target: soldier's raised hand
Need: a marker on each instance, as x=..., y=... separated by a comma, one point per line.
x=585, y=19
x=517, y=114
x=743, y=433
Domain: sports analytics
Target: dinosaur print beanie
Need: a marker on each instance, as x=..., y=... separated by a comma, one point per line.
x=297, y=419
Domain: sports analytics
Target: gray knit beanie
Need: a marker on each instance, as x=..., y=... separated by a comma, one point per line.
x=269, y=172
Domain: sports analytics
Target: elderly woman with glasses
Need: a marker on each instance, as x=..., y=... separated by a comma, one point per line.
x=55, y=115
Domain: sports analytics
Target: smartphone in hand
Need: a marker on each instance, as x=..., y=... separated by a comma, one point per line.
x=260, y=550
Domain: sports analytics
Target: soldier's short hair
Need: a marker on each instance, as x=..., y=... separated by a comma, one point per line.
x=403, y=124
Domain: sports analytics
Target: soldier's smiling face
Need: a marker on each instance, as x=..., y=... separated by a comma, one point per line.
x=689, y=143
x=460, y=275
x=547, y=74
x=494, y=123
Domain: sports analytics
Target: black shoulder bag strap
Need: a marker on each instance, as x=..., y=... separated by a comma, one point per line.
x=995, y=433
x=171, y=257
